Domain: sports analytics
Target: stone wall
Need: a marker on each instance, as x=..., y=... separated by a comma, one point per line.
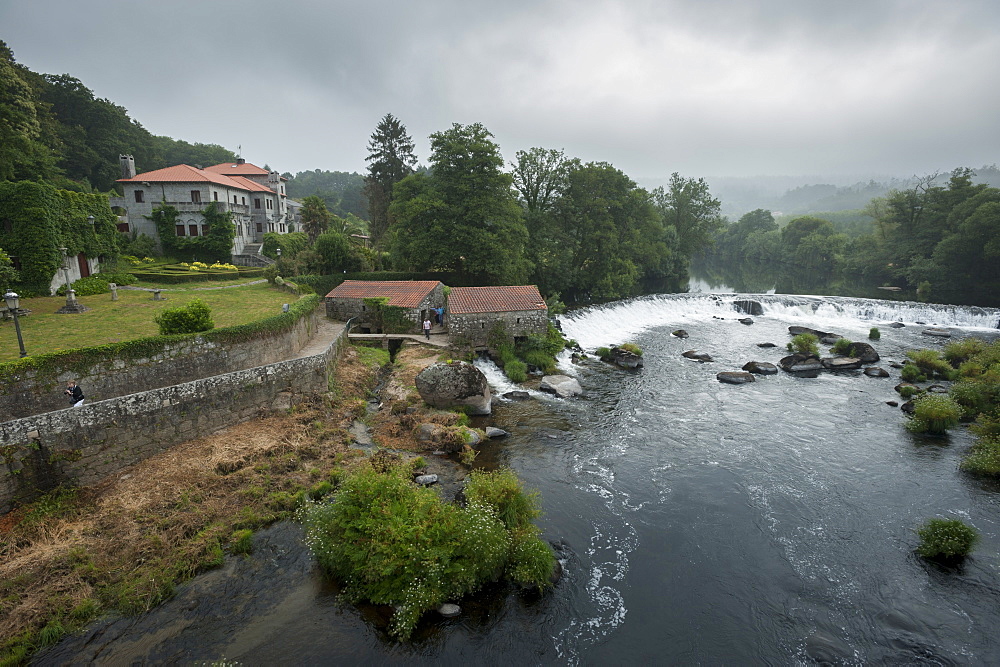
x=25, y=393
x=475, y=327
x=81, y=446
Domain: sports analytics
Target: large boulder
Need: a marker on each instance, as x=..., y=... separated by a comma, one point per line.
x=624, y=358
x=562, y=386
x=697, y=356
x=876, y=372
x=798, y=363
x=841, y=363
x=940, y=333
x=745, y=320
x=863, y=351
x=760, y=368
x=446, y=385
x=735, y=377
x=748, y=307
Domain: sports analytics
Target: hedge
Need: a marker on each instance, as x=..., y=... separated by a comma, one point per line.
x=177, y=276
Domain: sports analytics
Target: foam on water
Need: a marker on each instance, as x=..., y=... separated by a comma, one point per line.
x=621, y=321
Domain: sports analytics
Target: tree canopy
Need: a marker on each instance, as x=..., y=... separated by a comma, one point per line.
x=390, y=160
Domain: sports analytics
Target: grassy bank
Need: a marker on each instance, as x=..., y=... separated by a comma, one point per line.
x=130, y=317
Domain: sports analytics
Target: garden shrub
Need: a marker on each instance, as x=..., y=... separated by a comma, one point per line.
x=391, y=542
x=874, y=334
x=946, y=539
x=804, y=343
x=841, y=347
x=97, y=283
x=192, y=318
x=934, y=413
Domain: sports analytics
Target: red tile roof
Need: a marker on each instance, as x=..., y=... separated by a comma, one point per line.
x=498, y=299
x=234, y=169
x=181, y=173
x=253, y=186
x=402, y=293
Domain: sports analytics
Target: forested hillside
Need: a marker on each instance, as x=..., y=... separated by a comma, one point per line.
x=56, y=130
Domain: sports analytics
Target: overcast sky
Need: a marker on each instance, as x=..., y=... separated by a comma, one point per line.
x=702, y=87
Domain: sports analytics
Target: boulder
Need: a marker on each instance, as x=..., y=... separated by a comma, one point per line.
x=863, y=351
x=517, y=395
x=562, y=386
x=748, y=307
x=493, y=432
x=760, y=368
x=908, y=407
x=697, y=356
x=895, y=364
x=446, y=385
x=680, y=333
x=795, y=331
x=876, y=372
x=735, y=377
x=897, y=325
x=900, y=386
x=840, y=363
x=427, y=433
x=746, y=320
x=797, y=363
x=426, y=480
x=624, y=358
x=766, y=345
x=937, y=389
x=829, y=340
x=940, y=333
x=892, y=404
x=449, y=610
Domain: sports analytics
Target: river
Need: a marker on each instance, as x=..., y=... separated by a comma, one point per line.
x=698, y=522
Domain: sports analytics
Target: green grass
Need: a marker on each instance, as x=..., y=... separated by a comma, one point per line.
x=946, y=539
x=130, y=317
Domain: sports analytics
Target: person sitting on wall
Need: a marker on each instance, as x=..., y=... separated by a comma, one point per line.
x=75, y=393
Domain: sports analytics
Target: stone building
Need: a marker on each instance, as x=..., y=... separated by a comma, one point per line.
x=256, y=198
x=472, y=312
x=416, y=297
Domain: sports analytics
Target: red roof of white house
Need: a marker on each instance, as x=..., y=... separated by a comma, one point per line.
x=402, y=293
x=253, y=186
x=497, y=299
x=181, y=173
x=237, y=169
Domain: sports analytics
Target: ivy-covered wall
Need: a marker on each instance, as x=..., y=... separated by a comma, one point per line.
x=36, y=219
x=35, y=384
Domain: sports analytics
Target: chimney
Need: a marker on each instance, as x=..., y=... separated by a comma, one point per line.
x=240, y=160
x=128, y=166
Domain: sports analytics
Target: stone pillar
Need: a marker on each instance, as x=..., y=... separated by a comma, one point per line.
x=156, y=295
x=114, y=291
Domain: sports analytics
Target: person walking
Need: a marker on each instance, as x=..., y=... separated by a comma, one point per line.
x=75, y=393
x=427, y=328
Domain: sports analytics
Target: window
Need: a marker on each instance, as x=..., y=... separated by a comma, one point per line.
x=193, y=230
x=244, y=200
x=179, y=229
x=204, y=229
x=216, y=195
x=234, y=199
x=123, y=227
x=281, y=228
x=196, y=196
x=260, y=227
x=519, y=320
x=269, y=203
x=16, y=261
x=139, y=198
x=256, y=202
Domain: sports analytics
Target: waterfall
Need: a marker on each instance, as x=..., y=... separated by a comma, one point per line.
x=499, y=382
x=621, y=321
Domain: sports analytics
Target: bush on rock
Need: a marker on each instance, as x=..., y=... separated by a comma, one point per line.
x=946, y=539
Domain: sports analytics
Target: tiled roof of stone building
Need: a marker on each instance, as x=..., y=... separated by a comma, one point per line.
x=182, y=173
x=402, y=293
x=237, y=169
x=497, y=299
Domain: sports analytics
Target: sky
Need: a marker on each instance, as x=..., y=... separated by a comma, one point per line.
x=705, y=88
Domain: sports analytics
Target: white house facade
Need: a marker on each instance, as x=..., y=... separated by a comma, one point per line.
x=255, y=197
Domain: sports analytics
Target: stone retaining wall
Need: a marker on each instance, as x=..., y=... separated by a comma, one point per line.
x=81, y=446
x=28, y=394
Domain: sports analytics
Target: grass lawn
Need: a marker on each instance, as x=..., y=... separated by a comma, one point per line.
x=130, y=317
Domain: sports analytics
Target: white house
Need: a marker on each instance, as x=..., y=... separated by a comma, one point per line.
x=255, y=197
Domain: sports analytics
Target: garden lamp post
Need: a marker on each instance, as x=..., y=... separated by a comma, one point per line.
x=278, y=250
x=13, y=303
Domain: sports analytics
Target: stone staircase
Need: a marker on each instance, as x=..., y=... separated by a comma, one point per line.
x=251, y=257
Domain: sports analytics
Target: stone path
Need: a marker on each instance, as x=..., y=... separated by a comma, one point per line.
x=326, y=333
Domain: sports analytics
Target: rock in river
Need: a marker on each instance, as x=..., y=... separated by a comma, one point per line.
x=680, y=333
x=748, y=307
x=446, y=385
x=863, y=351
x=841, y=363
x=760, y=368
x=940, y=333
x=797, y=363
x=876, y=372
x=735, y=377
x=697, y=356
x=562, y=386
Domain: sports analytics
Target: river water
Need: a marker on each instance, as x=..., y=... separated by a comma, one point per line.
x=698, y=523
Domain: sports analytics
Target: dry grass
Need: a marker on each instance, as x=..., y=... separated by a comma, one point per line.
x=125, y=543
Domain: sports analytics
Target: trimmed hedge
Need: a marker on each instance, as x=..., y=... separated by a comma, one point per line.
x=177, y=276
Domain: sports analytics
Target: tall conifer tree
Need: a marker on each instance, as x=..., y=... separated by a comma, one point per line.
x=391, y=159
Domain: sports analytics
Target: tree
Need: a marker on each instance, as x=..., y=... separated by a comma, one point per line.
x=391, y=159
x=315, y=217
x=462, y=216
x=23, y=154
x=540, y=177
x=8, y=275
x=336, y=254
x=688, y=207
